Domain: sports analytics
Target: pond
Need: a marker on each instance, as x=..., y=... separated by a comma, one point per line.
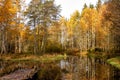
x=72, y=68
x=84, y=68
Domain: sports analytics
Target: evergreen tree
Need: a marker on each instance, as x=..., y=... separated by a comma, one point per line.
x=91, y=6
x=85, y=6
x=99, y=4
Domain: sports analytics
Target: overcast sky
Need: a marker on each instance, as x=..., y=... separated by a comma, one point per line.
x=69, y=6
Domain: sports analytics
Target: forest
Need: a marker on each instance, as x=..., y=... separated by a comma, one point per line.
x=38, y=28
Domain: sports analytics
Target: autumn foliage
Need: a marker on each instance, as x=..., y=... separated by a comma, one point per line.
x=38, y=27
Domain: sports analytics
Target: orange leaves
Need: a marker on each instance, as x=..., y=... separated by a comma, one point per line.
x=7, y=10
x=21, y=26
x=13, y=10
x=13, y=23
x=9, y=7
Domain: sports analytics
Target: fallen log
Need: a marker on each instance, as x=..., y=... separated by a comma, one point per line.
x=20, y=74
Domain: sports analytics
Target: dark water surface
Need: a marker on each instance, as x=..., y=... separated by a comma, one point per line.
x=75, y=68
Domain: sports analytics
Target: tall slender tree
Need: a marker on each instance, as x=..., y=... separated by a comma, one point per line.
x=43, y=12
x=8, y=10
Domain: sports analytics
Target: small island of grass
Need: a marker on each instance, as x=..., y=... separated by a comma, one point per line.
x=114, y=62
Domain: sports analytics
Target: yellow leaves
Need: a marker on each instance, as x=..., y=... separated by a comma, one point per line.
x=22, y=33
x=13, y=10
x=63, y=21
x=74, y=19
x=12, y=23
x=83, y=24
x=72, y=23
x=21, y=29
x=90, y=19
x=70, y=33
x=9, y=7
x=21, y=25
x=7, y=10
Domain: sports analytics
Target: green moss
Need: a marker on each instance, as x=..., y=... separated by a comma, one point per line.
x=114, y=62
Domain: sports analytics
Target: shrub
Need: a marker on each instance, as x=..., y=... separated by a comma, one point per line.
x=72, y=51
x=98, y=50
x=95, y=50
x=54, y=48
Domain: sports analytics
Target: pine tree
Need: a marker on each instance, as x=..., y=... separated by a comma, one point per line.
x=99, y=4
x=85, y=6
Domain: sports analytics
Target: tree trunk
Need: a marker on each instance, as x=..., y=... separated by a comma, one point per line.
x=35, y=41
x=3, y=49
x=44, y=41
x=20, y=45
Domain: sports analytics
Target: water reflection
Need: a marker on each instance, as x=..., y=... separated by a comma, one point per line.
x=84, y=68
x=72, y=68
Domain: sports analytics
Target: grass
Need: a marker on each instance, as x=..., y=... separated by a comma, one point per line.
x=32, y=57
x=114, y=62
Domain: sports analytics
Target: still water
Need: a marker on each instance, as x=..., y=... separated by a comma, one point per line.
x=72, y=68
x=84, y=68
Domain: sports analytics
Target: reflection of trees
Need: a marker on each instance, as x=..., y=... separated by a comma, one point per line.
x=102, y=71
x=84, y=68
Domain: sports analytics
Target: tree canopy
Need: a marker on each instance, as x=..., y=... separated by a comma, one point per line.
x=39, y=28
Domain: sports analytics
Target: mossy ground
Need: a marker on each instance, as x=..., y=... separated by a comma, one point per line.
x=114, y=62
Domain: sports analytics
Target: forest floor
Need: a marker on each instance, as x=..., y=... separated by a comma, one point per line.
x=114, y=62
